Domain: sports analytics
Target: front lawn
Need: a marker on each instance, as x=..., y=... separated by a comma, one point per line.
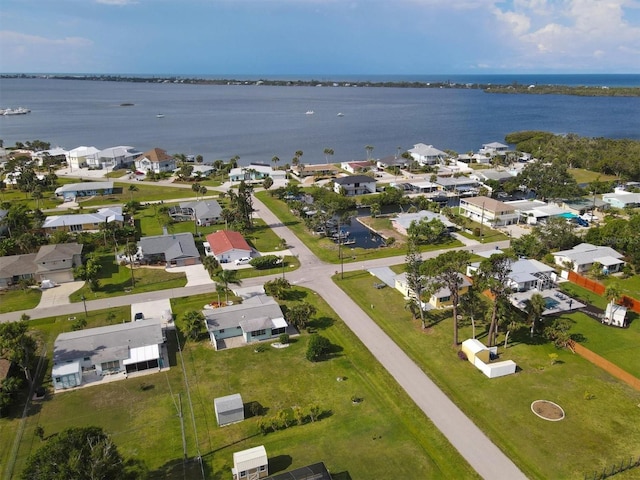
x=12, y=300
x=115, y=280
x=600, y=427
x=146, y=192
x=384, y=436
x=325, y=249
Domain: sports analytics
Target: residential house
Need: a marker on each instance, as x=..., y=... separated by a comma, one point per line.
x=427, y=154
x=204, y=212
x=319, y=170
x=71, y=191
x=403, y=221
x=257, y=318
x=526, y=274
x=85, y=356
x=14, y=268
x=492, y=149
x=83, y=222
x=392, y=161
x=256, y=172
x=483, y=176
x=173, y=249
x=250, y=464
x=582, y=257
x=422, y=186
x=56, y=262
x=156, y=161
x=354, y=185
x=55, y=154
x=459, y=185
x=488, y=211
x=622, y=199
x=535, y=211
x=202, y=170
x=80, y=157
x=439, y=299
x=227, y=246
x=119, y=157
x=362, y=166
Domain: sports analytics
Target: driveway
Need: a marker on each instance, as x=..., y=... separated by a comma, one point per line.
x=196, y=274
x=58, y=295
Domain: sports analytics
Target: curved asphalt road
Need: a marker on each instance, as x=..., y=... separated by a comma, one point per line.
x=489, y=461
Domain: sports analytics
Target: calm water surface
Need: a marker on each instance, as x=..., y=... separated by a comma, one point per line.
x=258, y=122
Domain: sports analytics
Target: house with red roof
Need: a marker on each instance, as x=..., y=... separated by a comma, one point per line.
x=227, y=246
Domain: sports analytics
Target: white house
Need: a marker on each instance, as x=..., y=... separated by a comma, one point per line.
x=71, y=191
x=621, y=199
x=493, y=149
x=535, y=211
x=427, y=154
x=83, y=222
x=488, y=211
x=255, y=172
x=439, y=299
x=526, y=274
x=117, y=157
x=257, y=318
x=358, y=167
x=227, y=246
x=583, y=256
x=354, y=185
x=403, y=221
x=156, y=161
x=86, y=355
x=81, y=157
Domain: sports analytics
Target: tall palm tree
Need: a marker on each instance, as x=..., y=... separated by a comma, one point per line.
x=328, y=152
x=274, y=160
x=369, y=149
x=210, y=264
x=131, y=189
x=227, y=277
x=535, y=306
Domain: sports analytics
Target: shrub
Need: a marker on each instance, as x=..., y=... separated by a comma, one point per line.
x=462, y=355
x=318, y=347
x=284, y=338
x=260, y=348
x=265, y=262
x=476, y=232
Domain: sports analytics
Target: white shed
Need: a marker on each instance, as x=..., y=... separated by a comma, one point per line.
x=250, y=464
x=229, y=409
x=615, y=315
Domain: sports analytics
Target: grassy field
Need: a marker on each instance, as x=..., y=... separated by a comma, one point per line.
x=385, y=435
x=115, y=280
x=585, y=176
x=147, y=192
x=595, y=433
x=12, y=300
x=325, y=249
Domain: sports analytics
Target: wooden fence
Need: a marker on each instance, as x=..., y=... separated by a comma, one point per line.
x=598, y=288
x=606, y=365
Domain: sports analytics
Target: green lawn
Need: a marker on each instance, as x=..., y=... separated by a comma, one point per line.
x=585, y=176
x=385, y=436
x=325, y=249
x=12, y=300
x=595, y=433
x=115, y=280
x=147, y=192
x=629, y=286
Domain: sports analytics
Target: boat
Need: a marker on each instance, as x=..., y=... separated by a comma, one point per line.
x=160, y=115
x=309, y=112
x=340, y=114
x=15, y=111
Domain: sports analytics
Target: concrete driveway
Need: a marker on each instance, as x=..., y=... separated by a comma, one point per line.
x=58, y=295
x=196, y=274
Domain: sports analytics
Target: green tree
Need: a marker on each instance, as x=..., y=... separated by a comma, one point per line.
x=534, y=308
x=194, y=324
x=415, y=279
x=227, y=277
x=76, y=453
x=277, y=288
x=318, y=347
x=211, y=265
x=328, y=152
x=18, y=346
x=132, y=189
x=447, y=270
x=299, y=314
x=267, y=183
x=9, y=388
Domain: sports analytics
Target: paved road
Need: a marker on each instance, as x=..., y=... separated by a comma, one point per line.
x=489, y=461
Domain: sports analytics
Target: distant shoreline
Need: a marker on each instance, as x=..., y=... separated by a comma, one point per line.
x=513, y=88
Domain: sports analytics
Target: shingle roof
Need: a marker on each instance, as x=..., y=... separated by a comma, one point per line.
x=224, y=240
x=489, y=204
x=172, y=246
x=155, y=155
x=79, y=187
x=263, y=308
x=354, y=179
x=204, y=209
x=60, y=251
x=15, y=265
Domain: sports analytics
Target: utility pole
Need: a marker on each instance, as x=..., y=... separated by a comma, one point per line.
x=131, y=262
x=84, y=302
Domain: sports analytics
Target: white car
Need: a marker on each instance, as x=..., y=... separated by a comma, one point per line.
x=243, y=260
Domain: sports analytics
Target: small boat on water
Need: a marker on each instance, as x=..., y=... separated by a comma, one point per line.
x=160, y=115
x=340, y=114
x=15, y=111
x=309, y=112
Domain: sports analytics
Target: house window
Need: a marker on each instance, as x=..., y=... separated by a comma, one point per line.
x=263, y=468
x=114, y=365
x=445, y=299
x=243, y=474
x=221, y=330
x=257, y=333
x=86, y=359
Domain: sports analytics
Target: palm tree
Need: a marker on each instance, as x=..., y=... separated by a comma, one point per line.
x=299, y=153
x=227, y=277
x=274, y=161
x=131, y=189
x=612, y=293
x=327, y=153
x=535, y=306
x=210, y=264
x=194, y=321
x=369, y=149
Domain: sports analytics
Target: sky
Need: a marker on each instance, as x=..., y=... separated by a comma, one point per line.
x=319, y=37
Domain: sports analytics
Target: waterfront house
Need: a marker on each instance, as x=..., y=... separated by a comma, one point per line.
x=255, y=172
x=403, y=221
x=427, y=154
x=458, y=185
x=80, y=157
x=173, y=249
x=354, y=185
x=488, y=211
x=358, y=167
x=71, y=191
x=227, y=246
x=257, y=318
x=83, y=222
x=84, y=356
x=156, y=161
x=119, y=157
x=582, y=257
x=318, y=170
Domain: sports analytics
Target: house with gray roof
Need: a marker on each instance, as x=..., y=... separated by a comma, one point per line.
x=52, y=262
x=403, y=221
x=204, y=212
x=84, y=356
x=257, y=318
x=354, y=185
x=582, y=257
x=526, y=274
x=71, y=191
x=83, y=222
x=173, y=249
x=427, y=154
x=14, y=268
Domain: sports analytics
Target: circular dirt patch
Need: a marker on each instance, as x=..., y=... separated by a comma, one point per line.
x=547, y=410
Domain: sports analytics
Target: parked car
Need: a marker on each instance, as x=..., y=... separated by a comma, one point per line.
x=243, y=260
x=138, y=316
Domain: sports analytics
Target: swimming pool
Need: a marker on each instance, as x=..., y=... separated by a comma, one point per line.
x=551, y=303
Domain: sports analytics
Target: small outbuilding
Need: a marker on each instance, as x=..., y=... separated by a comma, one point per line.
x=475, y=349
x=250, y=464
x=615, y=315
x=229, y=409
